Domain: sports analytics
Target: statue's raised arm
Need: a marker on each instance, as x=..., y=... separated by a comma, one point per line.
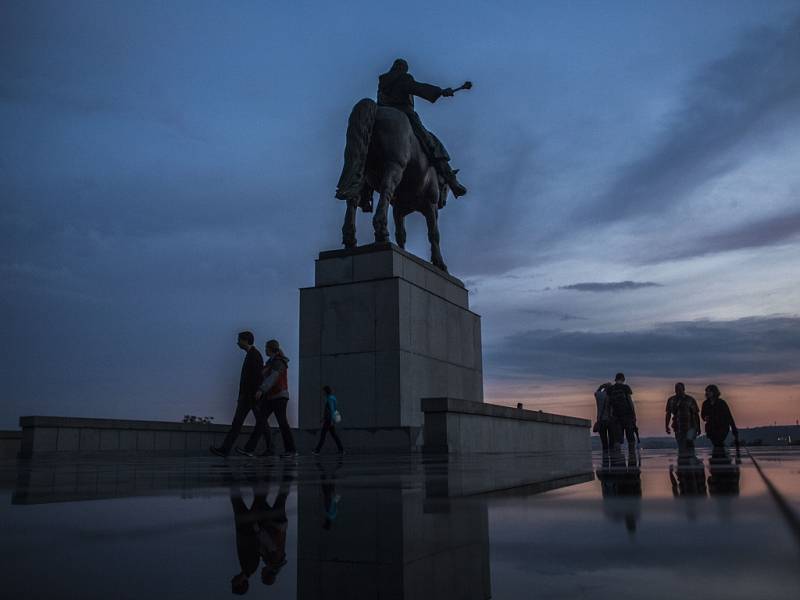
x=397, y=88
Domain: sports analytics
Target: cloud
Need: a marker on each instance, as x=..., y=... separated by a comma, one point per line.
x=727, y=103
x=560, y=315
x=770, y=231
x=611, y=286
x=752, y=345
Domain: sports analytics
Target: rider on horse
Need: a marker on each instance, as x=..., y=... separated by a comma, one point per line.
x=397, y=88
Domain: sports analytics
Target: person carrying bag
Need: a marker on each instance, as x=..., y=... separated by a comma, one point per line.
x=330, y=418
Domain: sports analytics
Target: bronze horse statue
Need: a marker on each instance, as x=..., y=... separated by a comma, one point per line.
x=383, y=154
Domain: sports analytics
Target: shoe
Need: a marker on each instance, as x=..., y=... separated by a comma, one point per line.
x=244, y=452
x=341, y=452
x=289, y=455
x=218, y=451
x=454, y=185
x=457, y=189
x=315, y=452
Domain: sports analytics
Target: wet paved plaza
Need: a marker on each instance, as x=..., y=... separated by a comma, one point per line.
x=416, y=527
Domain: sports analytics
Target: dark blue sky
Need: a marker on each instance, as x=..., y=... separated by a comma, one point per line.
x=167, y=176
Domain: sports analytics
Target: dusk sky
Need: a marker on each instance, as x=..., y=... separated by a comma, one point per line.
x=167, y=176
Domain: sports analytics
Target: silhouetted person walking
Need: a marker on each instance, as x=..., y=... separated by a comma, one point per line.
x=249, y=381
x=682, y=410
x=328, y=421
x=623, y=413
x=273, y=394
x=602, y=425
x=718, y=418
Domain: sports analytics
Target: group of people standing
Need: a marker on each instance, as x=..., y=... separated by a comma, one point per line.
x=616, y=417
x=616, y=414
x=264, y=390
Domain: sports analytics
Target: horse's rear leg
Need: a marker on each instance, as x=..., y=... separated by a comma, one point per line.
x=399, y=226
x=349, y=227
x=432, y=218
x=392, y=175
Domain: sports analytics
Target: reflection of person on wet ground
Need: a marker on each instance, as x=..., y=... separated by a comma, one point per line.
x=621, y=484
x=273, y=523
x=683, y=411
x=688, y=481
x=723, y=473
x=246, y=542
x=718, y=418
x=260, y=534
x=330, y=499
x=689, y=477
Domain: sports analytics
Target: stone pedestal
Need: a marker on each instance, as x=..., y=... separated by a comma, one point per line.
x=385, y=328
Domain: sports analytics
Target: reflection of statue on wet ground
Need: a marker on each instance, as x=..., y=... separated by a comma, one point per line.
x=621, y=484
x=389, y=151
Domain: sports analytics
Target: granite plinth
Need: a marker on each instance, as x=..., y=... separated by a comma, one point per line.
x=384, y=329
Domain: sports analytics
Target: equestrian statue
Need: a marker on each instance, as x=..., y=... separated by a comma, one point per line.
x=388, y=150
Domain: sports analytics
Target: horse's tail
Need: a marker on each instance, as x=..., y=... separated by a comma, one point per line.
x=359, y=132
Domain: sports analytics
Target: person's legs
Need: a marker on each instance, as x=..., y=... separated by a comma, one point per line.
x=242, y=408
x=630, y=433
x=614, y=433
x=322, y=432
x=603, y=432
x=625, y=430
x=260, y=428
x=279, y=406
x=336, y=438
x=683, y=449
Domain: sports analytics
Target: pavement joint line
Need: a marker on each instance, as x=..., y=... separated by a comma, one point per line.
x=786, y=509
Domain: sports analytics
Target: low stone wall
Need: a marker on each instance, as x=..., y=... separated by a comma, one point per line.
x=10, y=443
x=453, y=425
x=54, y=436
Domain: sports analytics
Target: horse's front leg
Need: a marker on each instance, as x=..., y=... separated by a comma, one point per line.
x=399, y=226
x=391, y=179
x=349, y=227
x=432, y=219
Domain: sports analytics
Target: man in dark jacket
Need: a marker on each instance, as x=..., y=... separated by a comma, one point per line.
x=249, y=381
x=623, y=413
x=397, y=88
x=718, y=418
